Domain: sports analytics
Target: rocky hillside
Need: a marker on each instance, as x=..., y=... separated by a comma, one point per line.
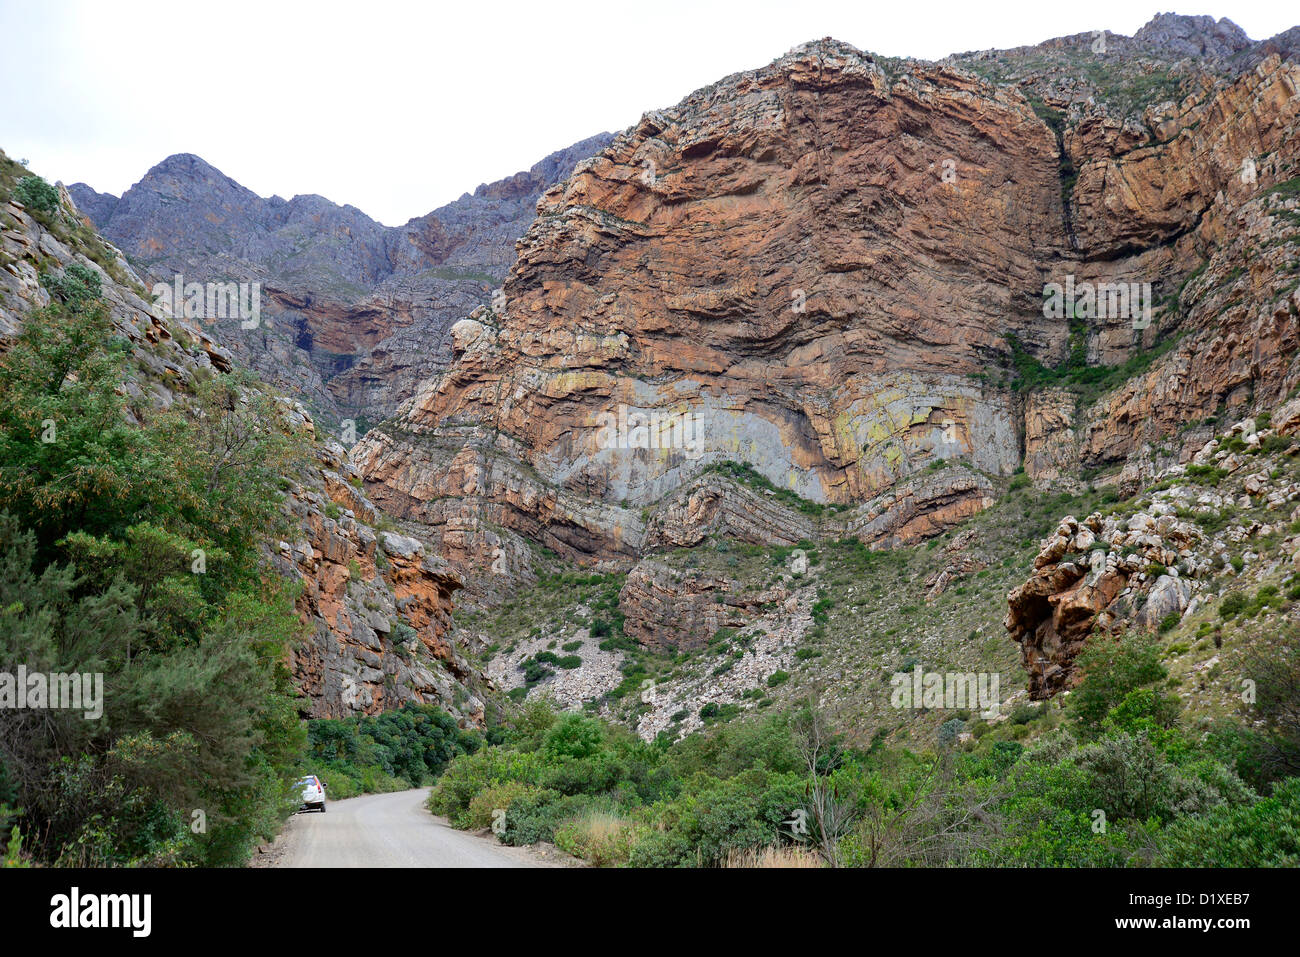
x=1178, y=547
x=789, y=386
x=820, y=285
x=354, y=314
x=376, y=605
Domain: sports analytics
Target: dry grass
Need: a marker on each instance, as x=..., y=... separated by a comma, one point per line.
x=598, y=837
x=789, y=855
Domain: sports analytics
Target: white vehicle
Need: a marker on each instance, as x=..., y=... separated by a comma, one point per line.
x=313, y=793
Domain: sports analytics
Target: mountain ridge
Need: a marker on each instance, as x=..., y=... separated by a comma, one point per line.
x=327, y=270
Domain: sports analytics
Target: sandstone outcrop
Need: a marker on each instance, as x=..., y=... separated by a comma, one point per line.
x=836, y=356
x=1103, y=575
x=665, y=607
x=377, y=604
x=887, y=267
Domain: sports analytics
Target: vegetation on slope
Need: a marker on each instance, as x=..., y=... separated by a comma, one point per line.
x=404, y=748
x=133, y=552
x=1113, y=779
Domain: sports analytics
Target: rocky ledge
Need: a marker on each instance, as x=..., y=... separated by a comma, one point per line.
x=1144, y=567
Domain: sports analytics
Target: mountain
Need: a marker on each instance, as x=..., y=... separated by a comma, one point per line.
x=838, y=264
x=376, y=605
x=354, y=313
x=908, y=447
x=829, y=300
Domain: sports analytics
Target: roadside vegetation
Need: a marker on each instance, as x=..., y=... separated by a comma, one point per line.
x=1113, y=779
x=132, y=551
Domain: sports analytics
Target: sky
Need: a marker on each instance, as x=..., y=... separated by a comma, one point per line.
x=398, y=108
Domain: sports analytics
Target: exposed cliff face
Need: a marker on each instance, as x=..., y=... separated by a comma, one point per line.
x=781, y=257
x=355, y=314
x=378, y=605
x=825, y=265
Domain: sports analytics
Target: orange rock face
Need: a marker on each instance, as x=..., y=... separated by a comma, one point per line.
x=378, y=606
x=823, y=278
x=812, y=260
x=823, y=269
x=1206, y=195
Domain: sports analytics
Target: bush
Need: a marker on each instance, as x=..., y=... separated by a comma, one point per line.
x=36, y=194
x=711, y=817
x=1111, y=670
x=390, y=751
x=602, y=838
x=574, y=736
x=533, y=817
x=77, y=286
x=127, y=506
x=483, y=807
x=469, y=774
x=949, y=730
x=1232, y=604
x=1265, y=833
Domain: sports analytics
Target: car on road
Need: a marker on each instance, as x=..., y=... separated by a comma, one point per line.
x=312, y=790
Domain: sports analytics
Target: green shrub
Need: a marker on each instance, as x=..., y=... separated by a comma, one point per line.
x=36, y=194
x=533, y=817
x=1232, y=604
x=1111, y=670
x=129, y=506
x=713, y=816
x=1265, y=833
x=77, y=286
x=397, y=749
x=470, y=774
x=483, y=806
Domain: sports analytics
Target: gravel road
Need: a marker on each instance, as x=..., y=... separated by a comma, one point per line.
x=388, y=830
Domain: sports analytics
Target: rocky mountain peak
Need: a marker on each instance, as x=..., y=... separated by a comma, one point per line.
x=356, y=313
x=1193, y=35
x=187, y=166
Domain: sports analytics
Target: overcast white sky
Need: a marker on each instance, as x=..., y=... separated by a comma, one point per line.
x=398, y=108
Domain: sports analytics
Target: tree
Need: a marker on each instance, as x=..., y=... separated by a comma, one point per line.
x=1275, y=668
x=832, y=803
x=97, y=553
x=231, y=450
x=1111, y=670
x=69, y=459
